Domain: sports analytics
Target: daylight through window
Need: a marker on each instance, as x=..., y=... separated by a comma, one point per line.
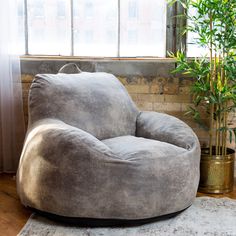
x=99, y=28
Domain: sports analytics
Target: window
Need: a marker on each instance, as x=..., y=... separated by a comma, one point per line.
x=37, y=8
x=93, y=25
x=103, y=28
x=146, y=36
x=21, y=27
x=111, y=36
x=49, y=33
x=88, y=9
x=193, y=50
x=61, y=9
x=132, y=36
x=133, y=9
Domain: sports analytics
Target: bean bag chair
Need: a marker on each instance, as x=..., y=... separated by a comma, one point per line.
x=90, y=153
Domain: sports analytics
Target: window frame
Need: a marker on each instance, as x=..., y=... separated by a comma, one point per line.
x=174, y=38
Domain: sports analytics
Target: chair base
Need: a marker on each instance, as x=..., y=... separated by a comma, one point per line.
x=92, y=222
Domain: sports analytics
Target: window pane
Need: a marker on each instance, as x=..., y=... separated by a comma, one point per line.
x=49, y=27
x=95, y=27
x=20, y=30
x=143, y=28
x=193, y=50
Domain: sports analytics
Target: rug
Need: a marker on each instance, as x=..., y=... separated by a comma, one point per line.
x=206, y=217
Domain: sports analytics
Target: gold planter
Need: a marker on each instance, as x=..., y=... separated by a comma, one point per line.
x=216, y=172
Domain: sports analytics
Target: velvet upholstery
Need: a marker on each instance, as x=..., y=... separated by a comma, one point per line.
x=97, y=103
x=90, y=153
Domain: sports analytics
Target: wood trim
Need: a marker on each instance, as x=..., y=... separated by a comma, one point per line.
x=75, y=58
x=181, y=23
x=175, y=40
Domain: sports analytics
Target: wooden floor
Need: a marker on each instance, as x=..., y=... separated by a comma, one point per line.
x=13, y=215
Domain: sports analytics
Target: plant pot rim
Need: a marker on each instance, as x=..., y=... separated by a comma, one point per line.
x=206, y=156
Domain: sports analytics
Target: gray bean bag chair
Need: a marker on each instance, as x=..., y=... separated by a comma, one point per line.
x=89, y=152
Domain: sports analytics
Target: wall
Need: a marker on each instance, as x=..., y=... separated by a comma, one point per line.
x=150, y=84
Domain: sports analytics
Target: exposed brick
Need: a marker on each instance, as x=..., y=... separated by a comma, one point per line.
x=168, y=95
x=185, y=82
x=156, y=88
x=143, y=97
x=158, y=98
x=177, y=114
x=145, y=106
x=26, y=78
x=184, y=90
x=123, y=80
x=185, y=106
x=166, y=106
x=147, y=81
x=171, y=88
x=193, y=124
x=26, y=86
x=137, y=88
x=181, y=98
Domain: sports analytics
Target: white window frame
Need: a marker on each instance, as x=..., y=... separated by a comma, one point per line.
x=173, y=40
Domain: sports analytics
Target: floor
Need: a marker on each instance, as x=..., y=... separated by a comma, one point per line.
x=13, y=215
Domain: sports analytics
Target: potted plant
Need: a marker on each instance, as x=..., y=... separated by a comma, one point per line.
x=214, y=85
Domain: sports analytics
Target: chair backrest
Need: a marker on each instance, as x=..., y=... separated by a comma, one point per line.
x=94, y=102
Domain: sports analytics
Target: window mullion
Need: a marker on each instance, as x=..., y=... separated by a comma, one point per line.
x=72, y=26
x=181, y=42
x=175, y=40
x=171, y=28
x=118, y=33
x=26, y=26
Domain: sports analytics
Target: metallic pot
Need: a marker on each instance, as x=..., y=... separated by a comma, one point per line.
x=216, y=172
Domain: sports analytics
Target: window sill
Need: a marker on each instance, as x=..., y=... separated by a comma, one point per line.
x=76, y=58
x=127, y=67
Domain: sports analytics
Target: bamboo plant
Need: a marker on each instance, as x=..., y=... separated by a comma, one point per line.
x=214, y=87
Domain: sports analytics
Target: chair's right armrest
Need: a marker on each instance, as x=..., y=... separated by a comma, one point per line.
x=166, y=128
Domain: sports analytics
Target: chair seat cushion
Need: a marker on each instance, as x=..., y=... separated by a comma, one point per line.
x=136, y=148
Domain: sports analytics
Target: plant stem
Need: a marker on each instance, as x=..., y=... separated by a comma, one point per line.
x=217, y=133
x=220, y=133
x=211, y=88
x=225, y=131
x=214, y=76
x=225, y=114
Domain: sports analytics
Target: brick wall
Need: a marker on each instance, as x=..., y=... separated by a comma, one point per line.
x=174, y=99
x=151, y=85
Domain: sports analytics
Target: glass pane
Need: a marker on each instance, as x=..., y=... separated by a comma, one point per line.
x=143, y=28
x=49, y=27
x=21, y=28
x=193, y=50
x=95, y=27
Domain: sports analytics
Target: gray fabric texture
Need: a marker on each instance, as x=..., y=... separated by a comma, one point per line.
x=90, y=153
x=95, y=102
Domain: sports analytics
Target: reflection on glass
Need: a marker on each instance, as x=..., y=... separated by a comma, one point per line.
x=96, y=21
x=193, y=50
x=61, y=9
x=143, y=28
x=49, y=27
x=133, y=9
x=20, y=47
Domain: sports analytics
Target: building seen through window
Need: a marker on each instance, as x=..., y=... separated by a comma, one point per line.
x=97, y=30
